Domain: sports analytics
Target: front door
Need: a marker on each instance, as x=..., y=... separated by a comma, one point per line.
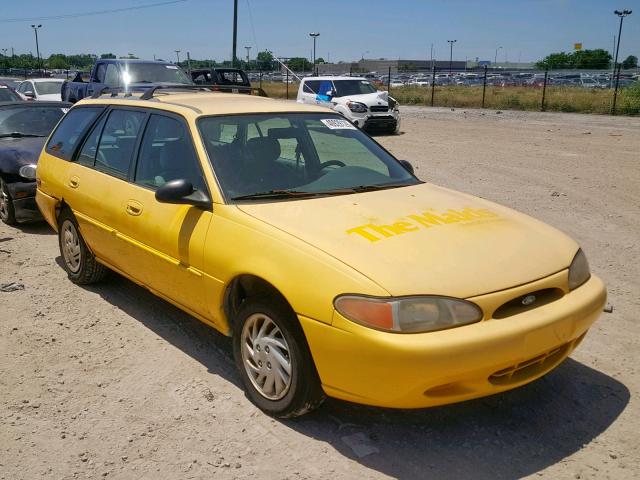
x=169, y=238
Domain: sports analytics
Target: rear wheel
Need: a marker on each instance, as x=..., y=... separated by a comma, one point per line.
x=275, y=364
x=7, y=211
x=79, y=263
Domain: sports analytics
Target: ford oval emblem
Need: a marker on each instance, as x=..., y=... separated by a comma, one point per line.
x=528, y=300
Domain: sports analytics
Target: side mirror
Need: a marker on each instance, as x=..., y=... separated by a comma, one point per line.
x=407, y=166
x=181, y=192
x=29, y=94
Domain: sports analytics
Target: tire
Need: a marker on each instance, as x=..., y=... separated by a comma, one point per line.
x=7, y=210
x=283, y=342
x=79, y=263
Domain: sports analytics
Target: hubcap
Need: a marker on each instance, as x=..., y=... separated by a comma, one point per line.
x=265, y=355
x=71, y=246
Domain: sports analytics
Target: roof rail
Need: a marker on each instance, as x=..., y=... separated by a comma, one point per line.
x=112, y=90
x=148, y=94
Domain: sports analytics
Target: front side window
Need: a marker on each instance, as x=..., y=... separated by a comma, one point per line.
x=344, y=88
x=66, y=137
x=166, y=154
x=286, y=155
x=118, y=141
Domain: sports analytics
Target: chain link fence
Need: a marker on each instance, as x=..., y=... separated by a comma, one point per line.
x=562, y=90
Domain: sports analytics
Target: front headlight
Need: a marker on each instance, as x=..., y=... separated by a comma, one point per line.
x=357, y=107
x=28, y=172
x=578, y=270
x=408, y=314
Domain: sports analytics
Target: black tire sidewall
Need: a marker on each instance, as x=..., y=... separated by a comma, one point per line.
x=10, y=218
x=66, y=216
x=303, y=374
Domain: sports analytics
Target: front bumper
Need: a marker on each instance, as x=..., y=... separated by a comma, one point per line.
x=376, y=122
x=23, y=195
x=367, y=366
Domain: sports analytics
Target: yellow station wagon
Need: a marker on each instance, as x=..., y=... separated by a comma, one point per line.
x=334, y=269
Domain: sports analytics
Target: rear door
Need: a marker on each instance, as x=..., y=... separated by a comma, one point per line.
x=99, y=181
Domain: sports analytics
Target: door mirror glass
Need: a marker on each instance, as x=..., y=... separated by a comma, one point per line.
x=181, y=192
x=29, y=93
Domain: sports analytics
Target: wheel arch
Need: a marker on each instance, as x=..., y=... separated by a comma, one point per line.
x=247, y=285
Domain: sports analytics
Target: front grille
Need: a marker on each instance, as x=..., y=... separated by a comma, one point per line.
x=532, y=367
x=519, y=304
x=379, y=108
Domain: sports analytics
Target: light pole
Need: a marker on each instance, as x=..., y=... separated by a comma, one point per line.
x=235, y=33
x=178, y=56
x=495, y=59
x=451, y=42
x=621, y=14
x=35, y=30
x=314, y=35
x=248, y=57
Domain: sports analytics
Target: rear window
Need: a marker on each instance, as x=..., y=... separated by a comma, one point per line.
x=64, y=140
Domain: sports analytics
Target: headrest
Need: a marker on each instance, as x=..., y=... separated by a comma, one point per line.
x=264, y=148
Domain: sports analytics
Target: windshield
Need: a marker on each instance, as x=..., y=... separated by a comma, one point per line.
x=29, y=120
x=353, y=87
x=47, y=88
x=154, y=73
x=8, y=95
x=318, y=153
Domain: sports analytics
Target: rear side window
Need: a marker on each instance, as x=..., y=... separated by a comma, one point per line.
x=71, y=129
x=118, y=141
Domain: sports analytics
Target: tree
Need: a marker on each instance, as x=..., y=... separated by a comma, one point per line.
x=107, y=55
x=58, y=61
x=265, y=60
x=630, y=62
x=299, y=64
x=320, y=60
x=585, y=59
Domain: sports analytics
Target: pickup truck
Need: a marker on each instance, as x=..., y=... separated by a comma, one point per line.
x=227, y=78
x=124, y=74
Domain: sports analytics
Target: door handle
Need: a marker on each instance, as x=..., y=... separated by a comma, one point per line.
x=74, y=182
x=133, y=208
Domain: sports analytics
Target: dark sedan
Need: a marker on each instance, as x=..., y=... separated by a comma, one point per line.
x=24, y=127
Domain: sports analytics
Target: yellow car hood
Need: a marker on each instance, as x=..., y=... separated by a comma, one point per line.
x=424, y=239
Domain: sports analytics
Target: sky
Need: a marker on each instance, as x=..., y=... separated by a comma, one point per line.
x=527, y=30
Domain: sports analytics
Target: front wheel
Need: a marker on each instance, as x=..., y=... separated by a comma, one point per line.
x=79, y=262
x=275, y=364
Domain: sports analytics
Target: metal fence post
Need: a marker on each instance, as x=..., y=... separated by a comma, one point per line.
x=351, y=71
x=433, y=84
x=260, y=78
x=389, y=81
x=615, y=90
x=544, y=89
x=484, y=85
x=287, y=83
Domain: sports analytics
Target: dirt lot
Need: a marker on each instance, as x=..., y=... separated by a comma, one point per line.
x=109, y=381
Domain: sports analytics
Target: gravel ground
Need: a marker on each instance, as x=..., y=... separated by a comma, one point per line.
x=110, y=381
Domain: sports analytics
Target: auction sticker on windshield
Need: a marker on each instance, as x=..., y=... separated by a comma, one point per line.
x=337, y=124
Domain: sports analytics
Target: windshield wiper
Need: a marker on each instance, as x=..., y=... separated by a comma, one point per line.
x=276, y=194
x=19, y=135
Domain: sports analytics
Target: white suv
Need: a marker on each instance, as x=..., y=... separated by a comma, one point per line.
x=355, y=98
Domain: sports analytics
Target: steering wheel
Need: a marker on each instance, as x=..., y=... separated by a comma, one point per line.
x=329, y=163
